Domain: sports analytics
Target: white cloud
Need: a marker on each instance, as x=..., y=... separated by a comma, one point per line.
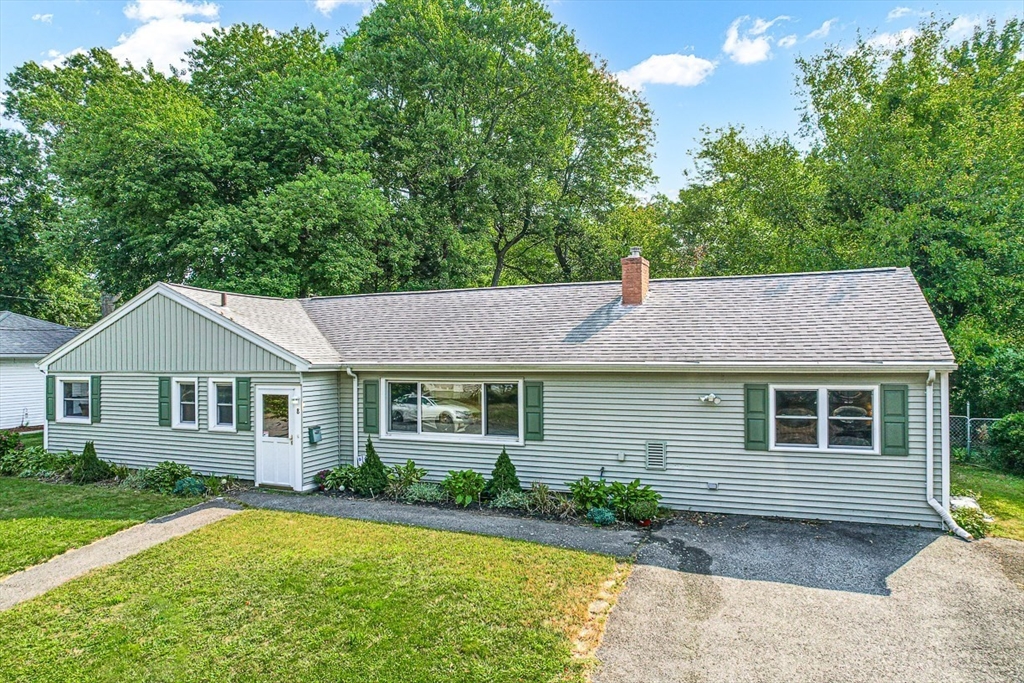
x=325, y=7
x=823, y=30
x=891, y=41
x=168, y=29
x=673, y=69
x=45, y=18
x=56, y=58
x=156, y=10
x=963, y=27
x=752, y=45
x=898, y=12
x=787, y=41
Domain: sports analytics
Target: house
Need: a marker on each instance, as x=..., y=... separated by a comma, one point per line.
x=23, y=342
x=811, y=395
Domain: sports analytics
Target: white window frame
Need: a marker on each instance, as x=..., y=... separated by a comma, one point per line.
x=176, y=422
x=211, y=404
x=74, y=419
x=419, y=435
x=822, y=417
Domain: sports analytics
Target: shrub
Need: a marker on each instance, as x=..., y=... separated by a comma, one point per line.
x=622, y=496
x=88, y=468
x=464, y=486
x=589, y=494
x=320, y=479
x=1008, y=441
x=135, y=480
x=373, y=478
x=541, y=500
x=425, y=492
x=511, y=500
x=565, y=507
x=971, y=520
x=401, y=477
x=601, y=516
x=165, y=476
x=341, y=478
x=642, y=510
x=189, y=486
x=36, y=462
x=504, y=477
x=9, y=442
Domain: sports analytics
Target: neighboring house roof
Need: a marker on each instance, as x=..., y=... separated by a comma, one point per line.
x=858, y=317
x=21, y=335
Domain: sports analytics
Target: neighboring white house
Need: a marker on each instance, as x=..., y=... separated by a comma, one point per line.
x=810, y=395
x=23, y=342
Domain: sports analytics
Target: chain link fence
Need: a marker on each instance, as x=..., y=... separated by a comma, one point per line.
x=972, y=434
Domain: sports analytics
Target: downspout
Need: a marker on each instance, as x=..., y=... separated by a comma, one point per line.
x=929, y=449
x=355, y=415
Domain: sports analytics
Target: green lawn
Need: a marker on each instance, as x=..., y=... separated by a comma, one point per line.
x=32, y=439
x=1001, y=495
x=40, y=520
x=271, y=596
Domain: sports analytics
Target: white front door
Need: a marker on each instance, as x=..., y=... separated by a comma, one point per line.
x=278, y=442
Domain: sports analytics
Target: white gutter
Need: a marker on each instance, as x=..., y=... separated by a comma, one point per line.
x=355, y=415
x=929, y=449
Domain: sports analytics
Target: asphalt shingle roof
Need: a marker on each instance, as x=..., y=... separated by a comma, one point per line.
x=21, y=335
x=861, y=316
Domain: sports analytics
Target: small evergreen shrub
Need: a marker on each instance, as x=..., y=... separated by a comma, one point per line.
x=401, y=477
x=165, y=476
x=601, y=516
x=511, y=500
x=88, y=468
x=971, y=520
x=341, y=478
x=372, y=478
x=189, y=486
x=1008, y=441
x=464, y=486
x=504, y=477
x=589, y=494
x=642, y=510
x=425, y=492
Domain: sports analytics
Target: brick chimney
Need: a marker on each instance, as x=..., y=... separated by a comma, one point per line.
x=635, y=278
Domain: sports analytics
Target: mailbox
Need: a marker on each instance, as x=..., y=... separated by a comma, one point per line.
x=315, y=435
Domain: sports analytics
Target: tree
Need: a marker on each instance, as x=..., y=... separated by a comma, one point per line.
x=497, y=137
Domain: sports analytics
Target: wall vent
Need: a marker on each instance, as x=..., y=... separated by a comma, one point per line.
x=657, y=455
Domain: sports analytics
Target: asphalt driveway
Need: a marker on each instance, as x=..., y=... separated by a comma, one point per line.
x=748, y=599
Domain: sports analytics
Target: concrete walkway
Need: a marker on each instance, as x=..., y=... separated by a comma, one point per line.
x=35, y=581
x=621, y=543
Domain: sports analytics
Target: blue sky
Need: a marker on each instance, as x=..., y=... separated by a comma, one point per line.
x=698, y=63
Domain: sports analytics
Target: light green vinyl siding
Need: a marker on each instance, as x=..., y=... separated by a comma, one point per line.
x=162, y=336
x=589, y=419
x=322, y=405
x=130, y=434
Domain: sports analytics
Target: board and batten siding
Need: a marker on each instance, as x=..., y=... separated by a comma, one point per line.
x=22, y=393
x=162, y=336
x=590, y=419
x=130, y=433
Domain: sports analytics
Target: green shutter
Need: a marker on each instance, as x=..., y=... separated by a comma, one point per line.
x=164, y=401
x=95, y=402
x=755, y=399
x=371, y=407
x=534, y=405
x=243, y=404
x=51, y=398
x=895, y=419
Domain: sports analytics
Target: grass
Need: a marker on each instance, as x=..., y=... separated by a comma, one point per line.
x=283, y=596
x=32, y=439
x=40, y=520
x=1000, y=495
